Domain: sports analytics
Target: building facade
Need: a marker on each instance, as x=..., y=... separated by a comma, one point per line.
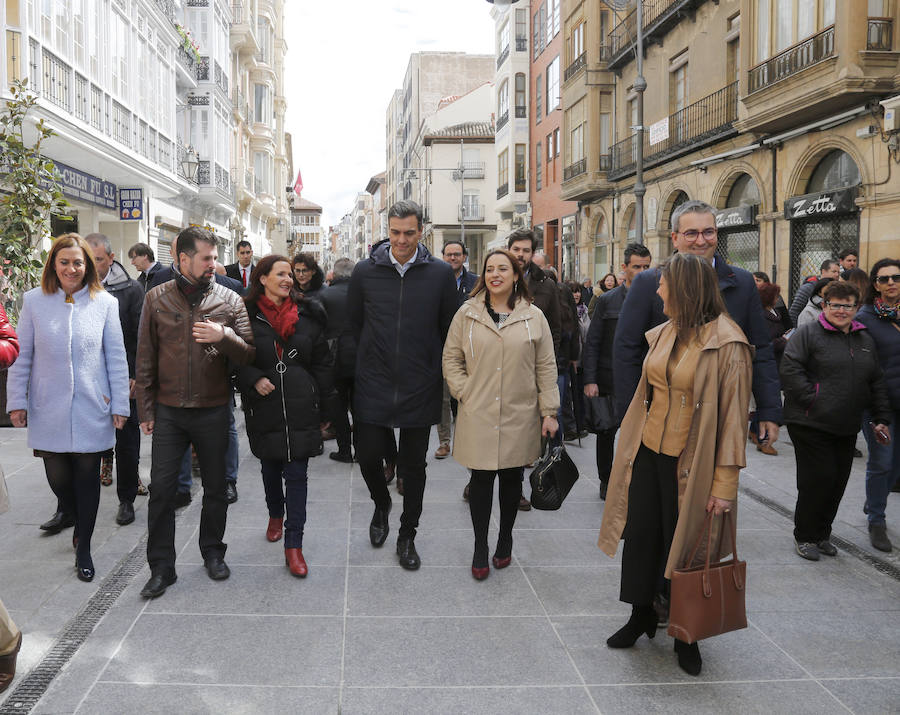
x=141, y=96
x=307, y=235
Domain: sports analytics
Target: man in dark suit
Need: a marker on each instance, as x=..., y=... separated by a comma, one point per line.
x=144, y=260
x=241, y=270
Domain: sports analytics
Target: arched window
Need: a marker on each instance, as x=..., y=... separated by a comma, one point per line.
x=679, y=199
x=836, y=170
x=503, y=99
x=520, y=95
x=744, y=192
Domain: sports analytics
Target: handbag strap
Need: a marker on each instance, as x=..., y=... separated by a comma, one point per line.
x=707, y=531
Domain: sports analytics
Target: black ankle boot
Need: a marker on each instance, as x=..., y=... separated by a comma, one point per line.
x=689, y=659
x=643, y=620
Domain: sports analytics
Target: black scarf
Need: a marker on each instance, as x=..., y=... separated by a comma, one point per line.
x=193, y=291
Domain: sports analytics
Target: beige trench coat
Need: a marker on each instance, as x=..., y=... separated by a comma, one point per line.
x=505, y=381
x=717, y=437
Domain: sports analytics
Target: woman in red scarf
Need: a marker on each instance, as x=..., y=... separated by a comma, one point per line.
x=282, y=394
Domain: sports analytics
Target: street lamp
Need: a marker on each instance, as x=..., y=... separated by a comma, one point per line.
x=190, y=164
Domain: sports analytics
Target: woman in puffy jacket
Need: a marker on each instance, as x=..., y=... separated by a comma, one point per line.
x=282, y=396
x=830, y=374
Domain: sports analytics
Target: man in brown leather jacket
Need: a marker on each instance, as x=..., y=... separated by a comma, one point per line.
x=191, y=328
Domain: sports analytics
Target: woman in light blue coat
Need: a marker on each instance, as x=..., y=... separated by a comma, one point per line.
x=70, y=383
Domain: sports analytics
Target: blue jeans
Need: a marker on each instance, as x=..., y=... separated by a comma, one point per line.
x=231, y=458
x=882, y=469
x=292, y=496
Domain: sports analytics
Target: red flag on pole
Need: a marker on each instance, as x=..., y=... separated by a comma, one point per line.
x=298, y=184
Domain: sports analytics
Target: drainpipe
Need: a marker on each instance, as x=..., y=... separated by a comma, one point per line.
x=774, y=148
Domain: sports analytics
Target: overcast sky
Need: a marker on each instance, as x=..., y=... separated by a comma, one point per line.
x=344, y=60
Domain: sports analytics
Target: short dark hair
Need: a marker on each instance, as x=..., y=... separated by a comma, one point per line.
x=764, y=277
x=405, y=209
x=142, y=249
x=187, y=240
x=635, y=249
x=455, y=243
x=840, y=289
x=522, y=234
x=244, y=243
x=827, y=263
x=848, y=252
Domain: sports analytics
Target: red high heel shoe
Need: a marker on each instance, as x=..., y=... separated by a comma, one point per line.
x=501, y=563
x=275, y=529
x=480, y=574
x=295, y=562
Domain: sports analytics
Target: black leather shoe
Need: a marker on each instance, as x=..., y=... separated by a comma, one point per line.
x=343, y=457
x=125, y=514
x=217, y=568
x=643, y=620
x=231, y=492
x=378, y=528
x=158, y=583
x=84, y=570
x=182, y=499
x=689, y=659
x=59, y=521
x=406, y=550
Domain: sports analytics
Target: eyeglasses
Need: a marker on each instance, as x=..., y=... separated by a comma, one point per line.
x=302, y=270
x=692, y=234
x=840, y=306
x=893, y=278
x=453, y=255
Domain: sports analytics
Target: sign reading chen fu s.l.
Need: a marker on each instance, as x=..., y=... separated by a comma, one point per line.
x=79, y=185
x=821, y=205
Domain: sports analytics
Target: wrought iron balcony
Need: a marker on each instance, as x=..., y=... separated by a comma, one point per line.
x=880, y=35
x=248, y=180
x=239, y=102
x=501, y=122
x=703, y=122
x=521, y=112
x=470, y=212
x=604, y=162
x=187, y=60
x=802, y=55
x=658, y=17
x=577, y=65
x=220, y=77
x=203, y=69
x=576, y=169
x=223, y=180
x=472, y=170
x=167, y=7
x=204, y=174
x=501, y=58
x=257, y=185
x=502, y=190
x=521, y=44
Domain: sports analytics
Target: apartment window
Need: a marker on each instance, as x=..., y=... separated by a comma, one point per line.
x=520, y=94
x=200, y=131
x=521, y=153
x=550, y=151
x=471, y=209
x=553, y=20
x=556, y=141
x=733, y=49
x=81, y=97
x=47, y=19
x=782, y=23
x=96, y=107
x=503, y=168
x=678, y=82
x=576, y=42
x=121, y=124
x=553, y=85
x=261, y=103
x=503, y=39
x=56, y=80
x=537, y=167
x=521, y=28
x=538, y=95
x=575, y=125
x=503, y=99
x=539, y=30
x=605, y=127
x=632, y=113
x=78, y=34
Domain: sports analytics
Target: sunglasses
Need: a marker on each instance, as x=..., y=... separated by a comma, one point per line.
x=893, y=278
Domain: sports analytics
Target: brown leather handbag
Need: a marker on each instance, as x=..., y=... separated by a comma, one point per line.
x=708, y=600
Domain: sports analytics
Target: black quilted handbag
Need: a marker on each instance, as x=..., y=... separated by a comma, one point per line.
x=552, y=478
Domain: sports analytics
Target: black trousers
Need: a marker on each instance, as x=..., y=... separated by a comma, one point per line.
x=823, y=467
x=128, y=455
x=75, y=480
x=605, y=442
x=481, y=497
x=344, y=387
x=373, y=444
x=174, y=430
x=650, y=525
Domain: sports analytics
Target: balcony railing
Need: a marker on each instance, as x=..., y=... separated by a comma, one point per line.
x=501, y=58
x=248, y=180
x=604, y=52
x=203, y=69
x=473, y=170
x=604, y=162
x=204, y=174
x=880, y=35
x=576, y=66
x=521, y=112
x=703, y=122
x=802, y=55
x=223, y=180
x=257, y=185
x=221, y=77
x=187, y=60
x=521, y=44
x=501, y=122
x=575, y=169
x=658, y=16
x=470, y=212
x=239, y=102
x=502, y=190
x=167, y=7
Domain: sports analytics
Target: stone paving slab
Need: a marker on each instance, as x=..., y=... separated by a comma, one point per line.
x=359, y=635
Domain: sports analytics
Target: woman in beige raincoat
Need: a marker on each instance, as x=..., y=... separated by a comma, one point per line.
x=681, y=444
x=499, y=364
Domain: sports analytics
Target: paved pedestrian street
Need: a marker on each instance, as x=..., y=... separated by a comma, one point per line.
x=361, y=635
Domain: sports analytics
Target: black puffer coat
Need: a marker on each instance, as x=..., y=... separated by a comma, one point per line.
x=401, y=325
x=829, y=377
x=285, y=423
x=339, y=332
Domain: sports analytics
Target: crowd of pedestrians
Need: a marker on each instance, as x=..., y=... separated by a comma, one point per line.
x=502, y=362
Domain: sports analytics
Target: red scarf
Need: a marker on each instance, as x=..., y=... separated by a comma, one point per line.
x=283, y=317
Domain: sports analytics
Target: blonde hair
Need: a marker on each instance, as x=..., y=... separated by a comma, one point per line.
x=49, y=279
x=694, y=298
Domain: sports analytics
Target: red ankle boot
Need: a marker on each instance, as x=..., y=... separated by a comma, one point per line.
x=275, y=529
x=295, y=562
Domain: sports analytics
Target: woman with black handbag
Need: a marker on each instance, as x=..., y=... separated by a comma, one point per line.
x=499, y=364
x=283, y=393
x=681, y=445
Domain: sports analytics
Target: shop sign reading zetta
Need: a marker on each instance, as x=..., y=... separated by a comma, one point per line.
x=827, y=203
x=78, y=185
x=736, y=216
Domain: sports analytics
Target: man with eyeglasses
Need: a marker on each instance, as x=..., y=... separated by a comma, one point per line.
x=455, y=254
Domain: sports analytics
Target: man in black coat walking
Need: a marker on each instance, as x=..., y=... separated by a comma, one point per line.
x=597, y=359
x=401, y=301
x=130, y=295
